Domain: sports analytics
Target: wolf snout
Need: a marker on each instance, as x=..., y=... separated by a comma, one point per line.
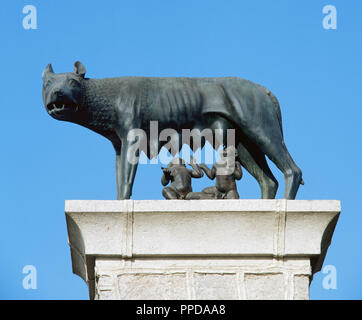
x=59, y=94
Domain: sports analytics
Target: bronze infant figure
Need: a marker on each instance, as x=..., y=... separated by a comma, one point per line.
x=180, y=178
x=226, y=171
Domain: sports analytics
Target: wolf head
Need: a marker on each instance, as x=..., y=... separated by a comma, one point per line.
x=62, y=92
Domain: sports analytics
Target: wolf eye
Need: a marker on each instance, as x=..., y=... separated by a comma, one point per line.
x=73, y=83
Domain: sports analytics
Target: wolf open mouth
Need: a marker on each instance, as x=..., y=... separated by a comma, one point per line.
x=57, y=107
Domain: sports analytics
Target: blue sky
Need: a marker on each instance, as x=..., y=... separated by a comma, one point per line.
x=315, y=73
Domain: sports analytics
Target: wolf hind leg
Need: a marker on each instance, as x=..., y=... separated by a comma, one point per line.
x=280, y=155
x=255, y=163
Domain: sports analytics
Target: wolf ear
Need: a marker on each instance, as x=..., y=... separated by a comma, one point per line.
x=79, y=69
x=48, y=69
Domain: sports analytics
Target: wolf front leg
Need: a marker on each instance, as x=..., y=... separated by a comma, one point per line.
x=126, y=167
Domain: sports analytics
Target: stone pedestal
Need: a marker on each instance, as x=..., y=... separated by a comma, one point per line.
x=199, y=249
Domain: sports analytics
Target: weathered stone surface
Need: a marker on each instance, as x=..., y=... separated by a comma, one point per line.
x=265, y=286
x=301, y=287
x=152, y=286
x=202, y=249
x=215, y=286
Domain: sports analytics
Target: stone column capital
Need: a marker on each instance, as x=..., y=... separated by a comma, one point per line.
x=273, y=230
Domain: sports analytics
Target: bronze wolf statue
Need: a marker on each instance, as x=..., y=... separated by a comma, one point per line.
x=114, y=106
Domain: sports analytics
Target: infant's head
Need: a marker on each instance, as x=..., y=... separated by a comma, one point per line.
x=229, y=152
x=176, y=162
